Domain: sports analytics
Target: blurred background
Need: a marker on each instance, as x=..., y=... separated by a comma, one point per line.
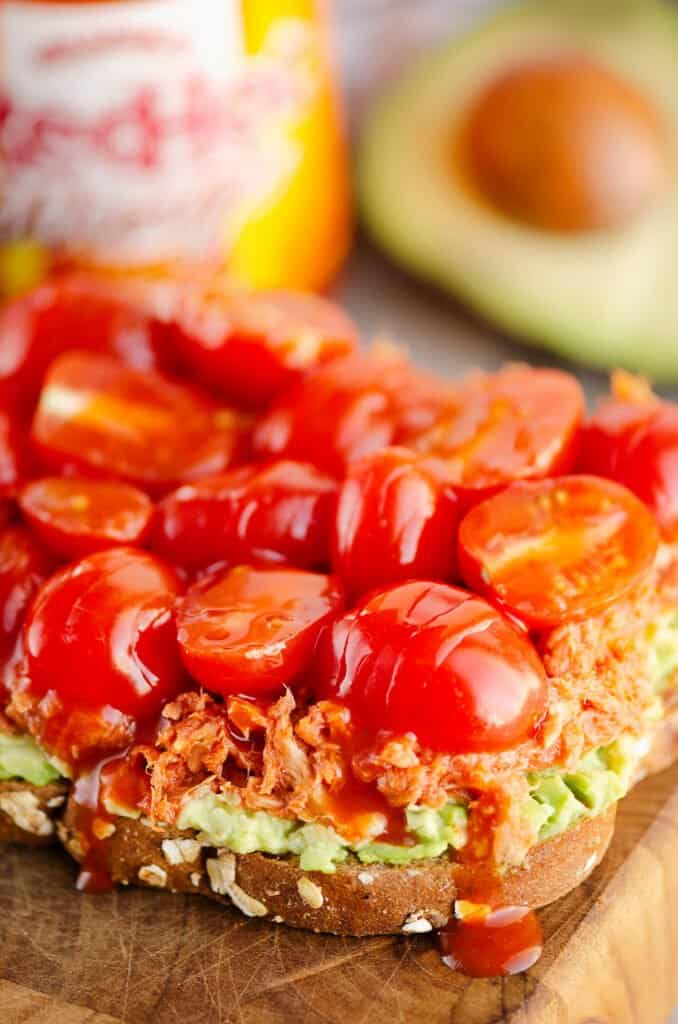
x=375, y=39
x=378, y=43
x=513, y=167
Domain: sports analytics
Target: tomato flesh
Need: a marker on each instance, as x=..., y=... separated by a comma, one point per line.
x=437, y=661
x=520, y=423
x=72, y=312
x=24, y=566
x=96, y=415
x=396, y=520
x=15, y=457
x=101, y=635
x=252, y=631
x=352, y=407
x=75, y=517
x=636, y=444
x=557, y=549
x=253, y=346
x=281, y=512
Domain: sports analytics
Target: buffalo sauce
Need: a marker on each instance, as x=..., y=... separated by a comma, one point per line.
x=105, y=782
x=347, y=806
x=119, y=781
x=492, y=943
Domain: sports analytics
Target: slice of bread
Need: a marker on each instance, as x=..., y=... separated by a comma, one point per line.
x=357, y=899
x=28, y=813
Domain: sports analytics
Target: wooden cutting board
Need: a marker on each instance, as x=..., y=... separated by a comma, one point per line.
x=143, y=957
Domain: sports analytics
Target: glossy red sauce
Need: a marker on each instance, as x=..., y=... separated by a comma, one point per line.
x=119, y=780
x=348, y=807
x=507, y=940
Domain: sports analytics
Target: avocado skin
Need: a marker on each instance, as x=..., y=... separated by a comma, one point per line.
x=605, y=298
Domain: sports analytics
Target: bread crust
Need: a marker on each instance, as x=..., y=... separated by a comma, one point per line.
x=357, y=899
x=28, y=813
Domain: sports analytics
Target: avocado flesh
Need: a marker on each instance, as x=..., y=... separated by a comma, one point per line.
x=22, y=758
x=606, y=297
x=557, y=801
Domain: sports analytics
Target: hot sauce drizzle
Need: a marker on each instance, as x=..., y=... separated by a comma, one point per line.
x=492, y=943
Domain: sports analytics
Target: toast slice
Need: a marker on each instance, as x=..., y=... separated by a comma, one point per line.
x=28, y=813
x=356, y=899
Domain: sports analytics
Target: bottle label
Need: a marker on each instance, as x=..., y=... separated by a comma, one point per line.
x=142, y=132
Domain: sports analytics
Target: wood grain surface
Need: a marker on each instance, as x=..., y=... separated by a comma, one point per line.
x=138, y=956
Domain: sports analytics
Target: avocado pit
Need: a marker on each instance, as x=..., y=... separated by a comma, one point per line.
x=565, y=144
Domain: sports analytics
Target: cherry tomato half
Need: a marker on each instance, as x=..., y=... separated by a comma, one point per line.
x=636, y=444
x=75, y=311
x=253, y=346
x=396, y=520
x=609, y=433
x=253, y=631
x=351, y=407
x=516, y=424
x=75, y=517
x=557, y=549
x=99, y=416
x=281, y=512
x=24, y=566
x=436, y=661
x=101, y=633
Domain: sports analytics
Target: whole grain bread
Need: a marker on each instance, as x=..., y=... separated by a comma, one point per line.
x=357, y=899
x=28, y=813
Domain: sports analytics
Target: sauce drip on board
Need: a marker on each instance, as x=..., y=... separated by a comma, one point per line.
x=493, y=943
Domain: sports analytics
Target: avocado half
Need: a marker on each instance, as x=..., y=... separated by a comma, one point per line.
x=606, y=296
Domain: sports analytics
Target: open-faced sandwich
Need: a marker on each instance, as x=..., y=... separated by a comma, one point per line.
x=355, y=650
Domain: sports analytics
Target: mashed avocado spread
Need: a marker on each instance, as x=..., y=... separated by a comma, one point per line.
x=22, y=758
x=557, y=802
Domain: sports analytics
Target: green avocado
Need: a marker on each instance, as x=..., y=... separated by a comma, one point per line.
x=224, y=824
x=22, y=758
x=600, y=779
x=604, y=296
x=556, y=802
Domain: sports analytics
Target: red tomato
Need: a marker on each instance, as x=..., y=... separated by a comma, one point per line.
x=253, y=346
x=351, y=407
x=24, y=566
x=516, y=424
x=607, y=436
x=253, y=631
x=15, y=461
x=96, y=415
x=281, y=512
x=74, y=517
x=101, y=634
x=75, y=311
x=396, y=520
x=438, y=662
x=636, y=444
x=557, y=549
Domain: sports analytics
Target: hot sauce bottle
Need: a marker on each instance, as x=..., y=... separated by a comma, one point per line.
x=157, y=134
